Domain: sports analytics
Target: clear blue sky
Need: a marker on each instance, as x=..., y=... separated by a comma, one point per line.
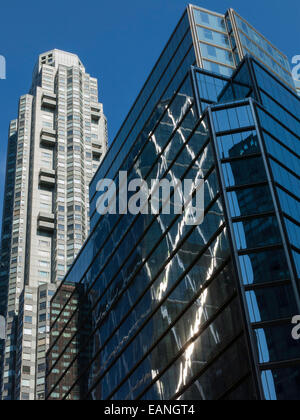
x=118, y=42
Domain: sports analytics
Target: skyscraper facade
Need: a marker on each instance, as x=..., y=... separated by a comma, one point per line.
x=154, y=308
x=223, y=40
x=55, y=146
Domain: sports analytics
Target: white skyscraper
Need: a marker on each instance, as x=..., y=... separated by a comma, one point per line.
x=55, y=146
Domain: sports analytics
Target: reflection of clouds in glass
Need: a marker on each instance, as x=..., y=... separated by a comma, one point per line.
x=201, y=316
x=178, y=264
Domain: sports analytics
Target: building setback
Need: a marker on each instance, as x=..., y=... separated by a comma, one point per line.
x=156, y=309
x=55, y=146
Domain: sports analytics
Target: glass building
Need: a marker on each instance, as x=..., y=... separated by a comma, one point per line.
x=156, y=309
x=297, y=84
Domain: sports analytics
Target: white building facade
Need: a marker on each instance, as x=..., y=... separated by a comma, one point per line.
x=55, y=146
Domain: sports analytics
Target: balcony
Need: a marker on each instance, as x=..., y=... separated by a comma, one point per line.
x=49, y=100
x=96, y=150
x=48, y=137
x=47, y=178
x=46, y=222
x=95, y=113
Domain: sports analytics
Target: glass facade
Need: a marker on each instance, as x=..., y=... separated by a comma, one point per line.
x=260, y=171
x=154, y=309
x=297, y=84
x=222, y=41
x=214, y=42
x=253, y=43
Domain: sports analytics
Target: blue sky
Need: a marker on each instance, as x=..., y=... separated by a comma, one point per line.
x=117, y=41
